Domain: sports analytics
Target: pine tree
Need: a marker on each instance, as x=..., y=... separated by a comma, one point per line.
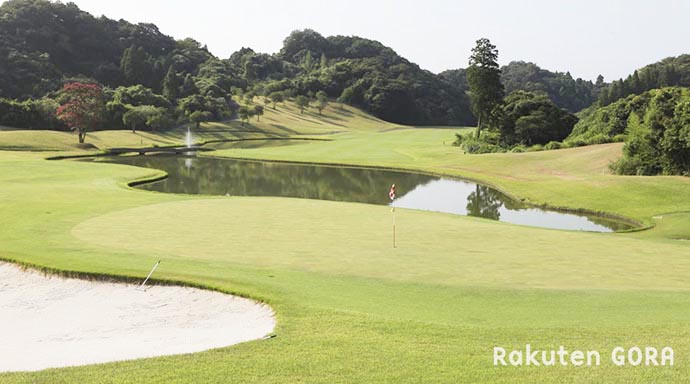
x=484, y=78
x=126, y=63
x=171, y=85
x=135, y=66
x=307, y=62
x=635, y=83
x=189, y=87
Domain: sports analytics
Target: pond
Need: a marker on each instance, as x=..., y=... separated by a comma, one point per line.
x=215, y=176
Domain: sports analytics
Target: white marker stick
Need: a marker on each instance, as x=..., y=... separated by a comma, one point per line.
x=141, y=287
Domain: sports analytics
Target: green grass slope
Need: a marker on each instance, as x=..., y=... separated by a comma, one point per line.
x=283, y=122
x=350, y=307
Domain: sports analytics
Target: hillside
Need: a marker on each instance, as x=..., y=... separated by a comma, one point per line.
x=669, y=72
x=565, y=91
x=49, y=43
x=655, y=126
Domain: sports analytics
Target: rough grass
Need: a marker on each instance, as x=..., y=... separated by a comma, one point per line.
x=352, y=309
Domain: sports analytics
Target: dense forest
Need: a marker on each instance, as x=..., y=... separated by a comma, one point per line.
x=47, y=44
x=655, y=126
x=672, y=71
x=145, y=79
x=566, y=92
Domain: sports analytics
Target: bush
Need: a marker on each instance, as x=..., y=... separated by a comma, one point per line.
x=551, y=145
x=459, y=138
x=599, y=138
x=626, y=166
x=519, y=149
x=477, y=146
x=577, y=142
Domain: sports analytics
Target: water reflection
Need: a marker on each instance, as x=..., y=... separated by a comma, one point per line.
x=212, y=176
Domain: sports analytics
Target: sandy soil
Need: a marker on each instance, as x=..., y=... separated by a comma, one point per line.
x=48, y=322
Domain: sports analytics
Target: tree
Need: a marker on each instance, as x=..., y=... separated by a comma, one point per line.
x=134, y=117
x=198, y=117
x=321, y=101
x=258, y=111
x=159, y=120
x=276, y=97
x=135, y=66
x=139, y=116
x=484, y=78
x=171, y=85
x=308, y=62
x=530, y=118
x=245, y=113
x=84, y=107
x=189, y=87
x=302, y=102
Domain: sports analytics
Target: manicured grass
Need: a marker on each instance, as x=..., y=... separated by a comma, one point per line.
x=283, y=122
x=576, y=178
x=350, y=307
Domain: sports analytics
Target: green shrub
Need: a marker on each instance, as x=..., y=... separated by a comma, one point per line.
x=519, y=149
x=599, y=138
x=619, y=138
x=477, y=146
x=551, y=145
x=573, y=142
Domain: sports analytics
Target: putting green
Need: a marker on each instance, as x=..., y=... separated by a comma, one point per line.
x=355, y=240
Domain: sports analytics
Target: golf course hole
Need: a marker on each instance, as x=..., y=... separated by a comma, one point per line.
x=51, y=322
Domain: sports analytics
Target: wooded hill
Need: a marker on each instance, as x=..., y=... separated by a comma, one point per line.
x=47, y=44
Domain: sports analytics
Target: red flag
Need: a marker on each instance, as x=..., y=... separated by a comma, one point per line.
x=391, y=194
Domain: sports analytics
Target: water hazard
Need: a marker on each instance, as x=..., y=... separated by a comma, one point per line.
x=214, y=176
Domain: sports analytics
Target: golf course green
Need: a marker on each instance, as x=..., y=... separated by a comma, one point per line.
x=351, y=308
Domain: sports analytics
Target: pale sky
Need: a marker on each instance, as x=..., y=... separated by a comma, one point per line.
x=585, y=37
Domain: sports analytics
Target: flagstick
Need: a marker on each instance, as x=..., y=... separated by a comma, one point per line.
x=393, y=227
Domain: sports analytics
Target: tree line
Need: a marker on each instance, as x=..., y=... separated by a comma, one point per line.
x=49, y=44
x=520, y=119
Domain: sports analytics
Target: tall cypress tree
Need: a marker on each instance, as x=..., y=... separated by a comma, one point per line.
x=126, y=63
x=484, y=78
x=135, y=66
x=171, y=85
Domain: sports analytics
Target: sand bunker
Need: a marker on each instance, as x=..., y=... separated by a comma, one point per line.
x=48, y=322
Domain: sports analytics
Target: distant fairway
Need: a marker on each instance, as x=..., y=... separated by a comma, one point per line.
x=349, y=307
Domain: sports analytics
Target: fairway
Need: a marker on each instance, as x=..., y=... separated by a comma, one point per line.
x=349, y=307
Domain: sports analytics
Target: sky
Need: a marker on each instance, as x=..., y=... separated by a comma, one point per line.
x=585, y=37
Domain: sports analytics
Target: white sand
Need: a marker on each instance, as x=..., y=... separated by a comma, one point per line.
x=48, y=322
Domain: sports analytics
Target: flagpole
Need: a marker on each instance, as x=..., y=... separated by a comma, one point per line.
x=391, y=194
x=393, y=227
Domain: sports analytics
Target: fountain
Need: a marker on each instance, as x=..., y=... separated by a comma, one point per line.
x=188, y=139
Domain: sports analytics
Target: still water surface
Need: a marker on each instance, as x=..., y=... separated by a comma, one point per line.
x=214, y=176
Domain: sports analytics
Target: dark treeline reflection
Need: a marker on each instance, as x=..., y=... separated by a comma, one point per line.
x=213, y=176
x=485, y=202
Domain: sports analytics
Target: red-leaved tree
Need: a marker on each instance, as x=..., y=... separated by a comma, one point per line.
x=83, y=109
